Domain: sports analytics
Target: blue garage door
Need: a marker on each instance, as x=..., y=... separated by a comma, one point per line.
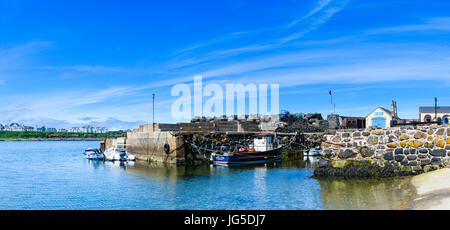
x=379, y=122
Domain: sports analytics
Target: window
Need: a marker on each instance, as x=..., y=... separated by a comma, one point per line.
x=379, y=113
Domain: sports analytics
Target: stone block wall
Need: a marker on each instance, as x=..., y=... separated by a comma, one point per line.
x=149, y=146
x=402, y=150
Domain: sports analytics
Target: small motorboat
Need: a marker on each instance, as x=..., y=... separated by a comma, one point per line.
x=312, y=153
x=130, y=157
x=118, y=154
x=115, y=154
x=93, y=154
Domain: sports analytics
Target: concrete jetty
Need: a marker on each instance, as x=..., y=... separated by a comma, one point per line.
x=152, y=143
x=433, y=190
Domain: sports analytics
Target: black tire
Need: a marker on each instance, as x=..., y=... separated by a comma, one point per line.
x=167, y=148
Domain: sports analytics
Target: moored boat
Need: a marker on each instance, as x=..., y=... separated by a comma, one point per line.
x=262, y=151
x=115, y=154
x=118, y=154
x=93, y=154
x=312, y=153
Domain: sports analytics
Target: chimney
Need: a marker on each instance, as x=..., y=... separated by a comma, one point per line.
x=435, y=108
x=393, y=109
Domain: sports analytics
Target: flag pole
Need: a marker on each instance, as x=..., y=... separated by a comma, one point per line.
x=331, y=94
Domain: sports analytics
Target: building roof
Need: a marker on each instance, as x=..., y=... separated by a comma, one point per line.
x=362, y=118
x=431, y=109
x=388, y=112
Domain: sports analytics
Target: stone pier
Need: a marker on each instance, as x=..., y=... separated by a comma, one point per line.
x=159, y=145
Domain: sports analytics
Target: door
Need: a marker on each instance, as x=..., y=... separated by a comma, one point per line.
x=379, y=122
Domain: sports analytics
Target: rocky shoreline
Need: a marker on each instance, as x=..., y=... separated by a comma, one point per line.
x=361, y=169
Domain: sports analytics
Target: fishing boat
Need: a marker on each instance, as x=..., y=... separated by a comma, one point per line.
x=93, y=154
x=262, y=151
x=312, y=153
x=118, y=154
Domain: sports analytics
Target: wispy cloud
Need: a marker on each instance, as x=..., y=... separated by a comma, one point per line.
x=323, y=11
x=320, y=5
x=315, y=23
x=432, y=24
x=19, y=55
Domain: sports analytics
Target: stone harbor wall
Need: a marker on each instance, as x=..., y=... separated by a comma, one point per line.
x=388, y=152
x=148, y=145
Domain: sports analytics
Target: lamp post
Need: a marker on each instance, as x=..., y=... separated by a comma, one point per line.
x=153, y=126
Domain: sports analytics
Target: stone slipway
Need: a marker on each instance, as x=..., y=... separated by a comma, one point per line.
x=433, y=190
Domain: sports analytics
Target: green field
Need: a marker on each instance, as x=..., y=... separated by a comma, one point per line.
x=34, y=134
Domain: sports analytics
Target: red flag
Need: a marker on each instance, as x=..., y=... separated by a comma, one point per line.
x=330, y=92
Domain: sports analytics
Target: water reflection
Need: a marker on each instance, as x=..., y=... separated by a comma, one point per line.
x=295, y=189
x=387, y=193
x=310, y=161
x=174, y=173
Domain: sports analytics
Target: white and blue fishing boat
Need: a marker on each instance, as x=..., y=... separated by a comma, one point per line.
x=262, y=151
x=93, y=154
x=312, y=153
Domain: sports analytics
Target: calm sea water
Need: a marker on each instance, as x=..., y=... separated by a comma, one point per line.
x=55, y=175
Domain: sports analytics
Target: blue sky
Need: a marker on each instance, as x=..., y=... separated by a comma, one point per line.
x=66, y=63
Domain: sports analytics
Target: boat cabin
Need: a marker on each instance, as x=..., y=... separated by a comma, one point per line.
x=263, y=142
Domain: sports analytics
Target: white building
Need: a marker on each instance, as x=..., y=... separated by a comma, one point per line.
x=75, y=130
x=100, y=130
x=14, y=127
x=87, y=129
x=428, y=113
x=379, y=117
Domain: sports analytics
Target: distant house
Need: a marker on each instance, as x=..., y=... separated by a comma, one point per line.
x=41, y=129
x=14, y=127
x=100, y=130
x=51, y=129
x=75, y=130
x=428, y=113
x=28, y=128
x=380, y=117
x=61, y=130
x=87, y=129
x=1, y=127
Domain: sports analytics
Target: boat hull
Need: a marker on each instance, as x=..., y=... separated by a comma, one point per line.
x=248, y=158
x=117, y=155
x=94, y=157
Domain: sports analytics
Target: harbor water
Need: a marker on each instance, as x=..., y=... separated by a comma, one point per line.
x=55, y=175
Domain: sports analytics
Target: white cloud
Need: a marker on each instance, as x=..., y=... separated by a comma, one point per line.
x=320, y=5
x=432, y=24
